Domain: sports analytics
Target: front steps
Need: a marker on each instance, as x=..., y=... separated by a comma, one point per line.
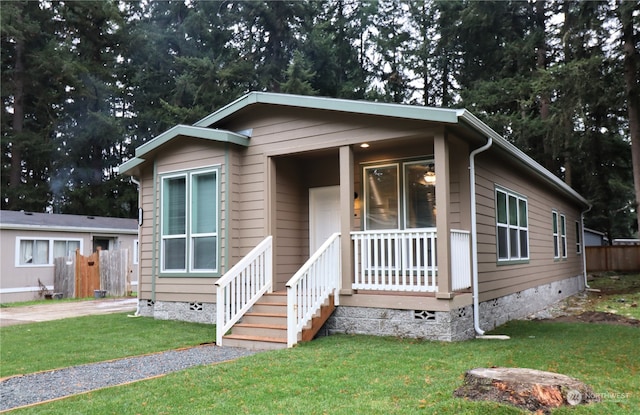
x=264, y=327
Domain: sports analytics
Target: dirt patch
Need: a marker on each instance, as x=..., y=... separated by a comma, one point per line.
x=597, y=317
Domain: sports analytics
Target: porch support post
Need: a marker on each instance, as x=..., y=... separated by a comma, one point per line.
x=346, y=217
x=441, y=155
x=270, y=218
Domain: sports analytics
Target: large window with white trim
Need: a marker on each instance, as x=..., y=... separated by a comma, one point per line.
x=41, y=252
x=512, y=228
x=189, y=222
x=400, y=195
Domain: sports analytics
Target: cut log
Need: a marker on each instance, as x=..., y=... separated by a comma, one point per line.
x=530, y=389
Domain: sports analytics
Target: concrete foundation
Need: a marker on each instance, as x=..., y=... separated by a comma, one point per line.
x=168, y=310
x=452, y=325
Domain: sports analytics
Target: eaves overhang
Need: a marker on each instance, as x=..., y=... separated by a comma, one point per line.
x=473, y=122
x=182, y=130
x=411, y=112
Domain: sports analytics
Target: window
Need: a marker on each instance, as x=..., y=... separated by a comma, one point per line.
x=563, y=235
x=578, y=238
x=190, y=222
x=556, y=235
x=394, y=200
x=512, y=226
x=38, y=252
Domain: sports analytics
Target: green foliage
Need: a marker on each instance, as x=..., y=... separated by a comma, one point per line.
x=85, y=83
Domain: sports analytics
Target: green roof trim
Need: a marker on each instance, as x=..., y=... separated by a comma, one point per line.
x=473, y=122
x=221, y=136
x=192, y=131
x=412, y=112
x=129, y=165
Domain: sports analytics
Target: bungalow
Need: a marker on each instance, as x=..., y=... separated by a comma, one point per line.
x=411, y=221
x=31, y=241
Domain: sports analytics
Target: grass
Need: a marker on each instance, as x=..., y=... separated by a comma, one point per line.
x=28, y=348
x=338, y=374
x=619, y=294
x=345, y=374
x=43, y=301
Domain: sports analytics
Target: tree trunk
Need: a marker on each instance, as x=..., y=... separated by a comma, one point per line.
x=530, y=389
x=631, y=62
x=15, y=172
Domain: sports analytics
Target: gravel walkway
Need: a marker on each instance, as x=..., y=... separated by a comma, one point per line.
x=38, y=387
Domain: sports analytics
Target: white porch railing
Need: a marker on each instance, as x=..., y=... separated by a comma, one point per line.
x=460, y=260
x=312, y=285
x=406, y=260
x=395, y=260
x=241, y=286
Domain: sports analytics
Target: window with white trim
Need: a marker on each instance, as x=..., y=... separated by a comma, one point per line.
x=400, y=195
x=578, y=238
x=512, y=228
x=556, y=235
x=40, y=251
x=189, y=222
x=563, y=235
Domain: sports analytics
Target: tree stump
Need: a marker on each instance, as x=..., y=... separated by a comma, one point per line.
x=529, y=389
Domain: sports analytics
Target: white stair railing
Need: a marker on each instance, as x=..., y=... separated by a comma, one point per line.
x=311, y=286
x=240, y=287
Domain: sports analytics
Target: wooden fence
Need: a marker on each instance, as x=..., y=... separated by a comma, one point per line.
x=79, y=276
x=620, y=258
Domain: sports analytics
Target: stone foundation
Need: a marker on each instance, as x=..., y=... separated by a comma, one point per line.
x=452, y=325
x=168, y=310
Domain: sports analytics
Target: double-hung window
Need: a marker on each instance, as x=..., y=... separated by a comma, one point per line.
x=563, y=235
x=38, y=252
x=578, y=238
x=559, y=235
x=190, y=222
x=556, y=235
x=512, y=226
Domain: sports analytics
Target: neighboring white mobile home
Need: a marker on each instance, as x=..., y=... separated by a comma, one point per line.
x=31, y=241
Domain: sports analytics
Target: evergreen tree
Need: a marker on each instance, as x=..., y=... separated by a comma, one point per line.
x=32, y=97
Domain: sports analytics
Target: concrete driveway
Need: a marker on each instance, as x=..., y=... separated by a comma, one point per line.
x=58, y=310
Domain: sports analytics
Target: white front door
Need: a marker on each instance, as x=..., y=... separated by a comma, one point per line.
x=324, y=215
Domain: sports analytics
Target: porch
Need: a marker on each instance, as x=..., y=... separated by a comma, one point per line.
x=400, y=261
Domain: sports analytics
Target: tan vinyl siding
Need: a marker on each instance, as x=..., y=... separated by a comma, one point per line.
x=182, y=155
x=498, y=279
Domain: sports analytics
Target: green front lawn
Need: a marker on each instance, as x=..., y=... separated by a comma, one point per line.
x=28, y=348
x=370, y=375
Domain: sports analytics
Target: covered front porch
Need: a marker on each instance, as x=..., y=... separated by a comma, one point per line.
x=330, y=238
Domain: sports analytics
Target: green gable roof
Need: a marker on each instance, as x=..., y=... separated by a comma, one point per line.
x=183, y=131
x=460, y=117
x=412, y=112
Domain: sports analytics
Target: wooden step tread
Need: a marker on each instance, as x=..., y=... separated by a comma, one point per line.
x=255, y=338
x=271, y=304
x=262, y=326
x=266, y=314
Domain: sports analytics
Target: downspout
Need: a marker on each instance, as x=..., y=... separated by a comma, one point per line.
x=584, y=248
x=474, y=236
x=137, y=313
